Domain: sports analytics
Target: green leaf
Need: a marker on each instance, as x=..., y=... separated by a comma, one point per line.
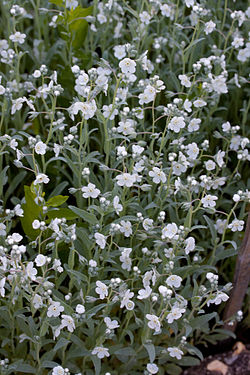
x=62, y=212
x=49, y=364
x=3, y=179
x=151, y=351
x=211, y=226
x=57, y=200
x=223, y=254
x=172, y=369
x=86, y=216
x=78, y=26
x=14, y=184
x=97, y=364
x=60, y=344
x=200, y=321
x=56, y=2
x=31, y=212
x=188, y=361
x=21, y=367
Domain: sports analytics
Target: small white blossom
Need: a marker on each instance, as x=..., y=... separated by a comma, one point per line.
x=127, y=66
x=90, y=191
x=236, y=225
x=101, y=289
x=174, y=281
x=175, y=352
x=169, y=231
x=100, y=240
x=111, y=324
x=41, y=178
x=158, y=175
x=154, y=322
x=152, y=368
x=209, y=201
x=101, y=352
x=55, y=309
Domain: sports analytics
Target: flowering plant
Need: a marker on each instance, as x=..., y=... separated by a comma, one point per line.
x=123, y=182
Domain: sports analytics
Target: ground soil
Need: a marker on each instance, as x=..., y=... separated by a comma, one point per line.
x=229, y=364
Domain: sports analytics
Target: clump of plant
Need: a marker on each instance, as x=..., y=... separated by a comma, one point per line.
x=123, y=182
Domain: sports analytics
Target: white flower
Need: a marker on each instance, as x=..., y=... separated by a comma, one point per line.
x=220, y=225
x=117, y=206
x=88, y=109
x=176, y=124
x=31, y=271
x=2, y=229
x=80, y=309
x=127, y=295
x=199, y=103
x=144, y=293
x=90, y=191
x=126, y=228
x=2, y=90
x=55, y=309
x=68, y=321
x=236, y=225
x=164, y=291
x=101, y=289
x=154, y=322
x=120, y=52
x=40, y=148
x=187, y=105
x=190, y=244
x=210, y=165
x=41, y=178
x=111, y=324
x=175, y=352
x=148, y=224
x=71, y=4
x=238, y=42
x=157, y=175
x=169, y=231
x=174, y=281
x=145, y=17
x=219, y=84
x=194, y=125
x=100, y=240
x=127, y=66
x=18, y=37
x=148, y=95
x=218, y=299
x=192, y=150
x=100, y=352
x=36, y=224
x=125, y=179
x=2, y=290
x=175, y=314
x=18, y=210
x=109, y=112
x=37, y=301
x=226, y=127
x=209, y=27
x=219, y=158
x=40, y=260
x=209, y=201
x=152, y=368
x=92, y=263
x=184, y=80
x=36, y=74
x=58, y=370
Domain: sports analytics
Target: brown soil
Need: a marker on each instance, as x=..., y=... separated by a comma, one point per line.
x=234, y=362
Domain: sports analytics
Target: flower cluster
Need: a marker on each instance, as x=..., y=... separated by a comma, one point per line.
x=123, y=181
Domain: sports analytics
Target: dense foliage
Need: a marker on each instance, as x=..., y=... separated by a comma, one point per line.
x=123, y=181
